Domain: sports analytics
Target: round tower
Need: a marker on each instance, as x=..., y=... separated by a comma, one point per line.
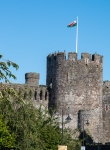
x=55, y=67
x=75, y=85
x=106, y=110
x=32, y=79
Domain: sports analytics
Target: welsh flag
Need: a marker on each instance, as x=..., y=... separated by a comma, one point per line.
x=72, y=24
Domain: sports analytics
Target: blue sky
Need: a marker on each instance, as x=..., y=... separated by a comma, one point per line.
x=32, y=29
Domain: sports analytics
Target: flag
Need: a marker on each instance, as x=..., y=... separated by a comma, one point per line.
x=72, y=24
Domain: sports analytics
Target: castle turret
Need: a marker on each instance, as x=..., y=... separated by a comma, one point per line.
x=55, y=68
x=32, y=79
x=76, y=85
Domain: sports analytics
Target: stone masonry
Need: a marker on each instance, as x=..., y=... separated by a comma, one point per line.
x=74, y=86
x=77, y=85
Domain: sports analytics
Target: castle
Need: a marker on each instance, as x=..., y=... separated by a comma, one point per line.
x=76, y=87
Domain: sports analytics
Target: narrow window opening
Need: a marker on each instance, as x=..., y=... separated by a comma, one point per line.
x=41, y=95
x=106, y=107
x=25, y=95
x=49, y=59
x=30, y=93
x=35, y=95
x=51, y=80
x=45, y=95
x=67, y=77
x=54, y=57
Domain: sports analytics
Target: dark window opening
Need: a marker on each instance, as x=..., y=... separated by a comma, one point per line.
x=67, y=77
x=54, y=57
x=35, y=95
x=93, y=57
x=49, y=59
x=25, y=95
x=41, y=95
x=45, y=95
x=106, y=107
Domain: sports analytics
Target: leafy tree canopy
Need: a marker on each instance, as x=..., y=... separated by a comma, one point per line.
x=24, y=126
x=4, y=68
x=7, y=139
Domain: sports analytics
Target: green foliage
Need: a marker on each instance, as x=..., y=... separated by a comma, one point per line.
x=24, y=126
x=35, y=129
x=71, y=139
x=49, y=133
x=7, y=139
x=5, y=73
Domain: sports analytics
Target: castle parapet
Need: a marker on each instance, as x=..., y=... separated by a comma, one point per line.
x=72, y=56
x=61, y=56
x=98, y=58
x=106, y=84
x=56, y=56
x=86, y=56
x=32, y=79
x=95, y=57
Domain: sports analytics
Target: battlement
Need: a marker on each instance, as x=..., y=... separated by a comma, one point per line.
x=106, y=84
x=98, y=58
x=86, y=55
x=56, y=56
x=72, y=56
x=32, y=75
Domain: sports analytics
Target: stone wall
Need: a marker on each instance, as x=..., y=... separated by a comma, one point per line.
x=106, y=111
x=32, y=90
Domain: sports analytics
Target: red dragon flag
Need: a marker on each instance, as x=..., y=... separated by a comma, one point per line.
x=72, y=24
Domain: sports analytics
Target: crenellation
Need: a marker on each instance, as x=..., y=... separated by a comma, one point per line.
x=58, y=55
x=86, y=56
x=106, y=84
x=72, y=56
x=97, y=58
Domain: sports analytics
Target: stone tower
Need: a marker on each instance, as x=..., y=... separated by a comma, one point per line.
x=106, y=111
x=76, y=85
x=32, y=79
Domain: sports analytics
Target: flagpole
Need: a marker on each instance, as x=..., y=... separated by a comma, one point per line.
x=77, y=35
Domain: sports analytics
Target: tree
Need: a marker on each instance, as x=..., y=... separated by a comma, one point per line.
x=7, y=139
x=26, y=127
x=4, y=68
x=35, y=129
x=49, y=133
x=71, y=139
